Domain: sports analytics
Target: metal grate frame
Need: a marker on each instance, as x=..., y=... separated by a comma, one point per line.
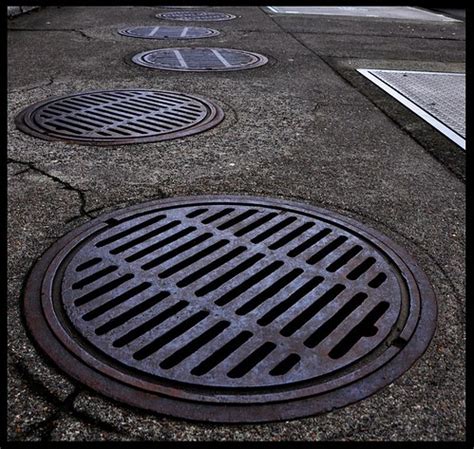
x=196, y=16
x=168, y=32
x=230, y=309
x=199, y=59
x=120, y=116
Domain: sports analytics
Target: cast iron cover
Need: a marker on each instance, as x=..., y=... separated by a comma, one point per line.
x=196, y=16
x=168, y=32
x=230, y=309
x=199, y=59
x=116, y=117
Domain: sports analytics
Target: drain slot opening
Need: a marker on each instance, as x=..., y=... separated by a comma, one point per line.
x=269, y=292
x=169, y=336
x=366, y=328
x=194, y=345
x=282, y=307
x=248, y=283
x=285, y=365
x=98, y=311
x=149, y=324
x=252, y=360
x=131, y=313
x=308, y=313
x=330, y=325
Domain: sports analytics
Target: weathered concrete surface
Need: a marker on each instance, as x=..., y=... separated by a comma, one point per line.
x=13, y=11
x=303, y=127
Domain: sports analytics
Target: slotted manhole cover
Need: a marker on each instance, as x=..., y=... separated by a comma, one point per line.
x=199, y=59
x=230, y=309
x=115, y=117
x=168, y=32
x=196, y=16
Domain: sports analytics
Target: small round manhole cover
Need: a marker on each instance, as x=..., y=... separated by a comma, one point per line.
x=230, y=309
x=168, y=32
x=116, y=117
x=196, y=16
x=199, y=59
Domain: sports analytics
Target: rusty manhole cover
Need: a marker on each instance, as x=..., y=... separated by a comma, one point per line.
x=168, y=32
x=230, y=309
x=199, y=59
x=196, y=16
x=116, y=117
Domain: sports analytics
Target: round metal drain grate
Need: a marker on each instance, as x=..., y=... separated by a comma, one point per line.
x=199, y=59
x=116, y=117
x=196, y=16
x=168, y=32
x=230, y=309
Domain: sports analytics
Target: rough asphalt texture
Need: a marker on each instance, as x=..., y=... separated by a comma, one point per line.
x=304, y=127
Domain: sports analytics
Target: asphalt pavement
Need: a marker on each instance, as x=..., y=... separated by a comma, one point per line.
x=305, y=127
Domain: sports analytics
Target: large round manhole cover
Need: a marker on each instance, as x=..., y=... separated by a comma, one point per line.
x=168, y=32
x=196, y=16
x=115, y=117
x=199, y=59
x=230, y=309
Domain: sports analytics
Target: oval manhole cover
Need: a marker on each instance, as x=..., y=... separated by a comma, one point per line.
x=230, y=309
x=168, y=32
x=116, y=117
x=199, y=59
x=197, y=16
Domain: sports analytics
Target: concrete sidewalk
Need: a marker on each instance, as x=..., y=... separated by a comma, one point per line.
x=305, y=127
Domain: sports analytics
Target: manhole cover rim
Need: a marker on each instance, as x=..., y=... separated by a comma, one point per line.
x=124, y=32
x=290, y=411
x=24, y=120
x=225, y=16
x=254, y=413
x=260, y=60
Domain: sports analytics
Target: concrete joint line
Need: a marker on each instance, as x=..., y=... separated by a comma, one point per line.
x=381, y=35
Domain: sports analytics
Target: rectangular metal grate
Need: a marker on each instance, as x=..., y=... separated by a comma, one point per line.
x=437, y=97
x=383, y=12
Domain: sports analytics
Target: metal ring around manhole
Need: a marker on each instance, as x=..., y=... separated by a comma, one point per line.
x=120, y=116
x=199, y=59
x=196, y=16
x=230, y=309
x=168, y=32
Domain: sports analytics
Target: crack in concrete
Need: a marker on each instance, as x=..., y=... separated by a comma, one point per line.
x=65, y=184
x=64, y=407
x=37, y=387
x=48, y=83
x=82, y=33
x=21, y=172
x=160, y=194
